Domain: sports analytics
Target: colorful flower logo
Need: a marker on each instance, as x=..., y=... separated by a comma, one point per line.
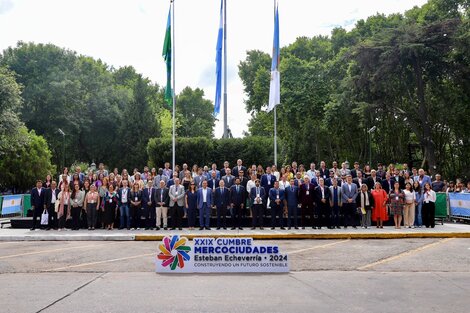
x=173, y=252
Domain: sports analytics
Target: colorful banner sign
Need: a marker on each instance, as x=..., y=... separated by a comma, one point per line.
x=218, y=255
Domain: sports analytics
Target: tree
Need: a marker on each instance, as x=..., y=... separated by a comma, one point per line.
x=195, y=114
x=21, y=168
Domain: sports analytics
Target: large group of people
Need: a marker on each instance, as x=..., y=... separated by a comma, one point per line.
x=293, y=197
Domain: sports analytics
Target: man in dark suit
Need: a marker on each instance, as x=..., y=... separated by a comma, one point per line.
x=237, y=203
x=400, y=179
x=323, y=210
x=324, y=172
x=359, y=180
x=243, y=183
x=213, y=182
x=329, y=180
x=387, y=183
x=307, y=199
x=161, y=198
x=38, y=202
x=148, y=205
x=276, y=198
x=355, y=170
x=204, y=204
x=238, y=168
x=267, y=180
x=291, y=194
x=372, y=179
x=51, y=198
x=199, y=178
x=349, y=193
x=221, y=203
x=258, y=199
x=228, y=179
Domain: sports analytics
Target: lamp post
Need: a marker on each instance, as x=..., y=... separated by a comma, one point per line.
x=370, y=131
x=63, y=146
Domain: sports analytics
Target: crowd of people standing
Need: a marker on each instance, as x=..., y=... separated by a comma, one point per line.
x=292, y=196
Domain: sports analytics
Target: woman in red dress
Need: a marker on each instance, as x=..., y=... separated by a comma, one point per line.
x=379, y=212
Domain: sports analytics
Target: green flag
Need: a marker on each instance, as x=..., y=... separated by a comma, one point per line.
x=167, y=57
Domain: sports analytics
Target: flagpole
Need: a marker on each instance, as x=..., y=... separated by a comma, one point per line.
x=173, y=83
x=225, y=70
x=275, y=118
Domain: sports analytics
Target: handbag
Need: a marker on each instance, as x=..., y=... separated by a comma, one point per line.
x=44, y=217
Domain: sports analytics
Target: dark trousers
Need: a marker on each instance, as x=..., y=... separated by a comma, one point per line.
x=37, y=213
x=428, y=213
x=204, y=215
x=176, y=213
x=257, y=211
x=276, y=210
x=191, y=217
x=292, y=215
x=91, y=213
x=237, y=215
x=335, y=216
x=222, y=216
x=76, y=217
x=52, y=222
x=135, y=216
x=63, y=218
x=306, y=209
x=349, y=212
x=324, y=214
x=149, y=213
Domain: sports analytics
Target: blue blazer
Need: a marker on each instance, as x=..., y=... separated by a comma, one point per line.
x=346, y=194
x=264, y=182
x=210, y=183
x=200, y=198
x=146, y=197
x=262, y=194
x=37, y=200
x=222, y=200
x=273, y=195
x=292, y=196
x=237, y=198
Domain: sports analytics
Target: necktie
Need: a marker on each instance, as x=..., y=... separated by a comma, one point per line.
x=237, y=188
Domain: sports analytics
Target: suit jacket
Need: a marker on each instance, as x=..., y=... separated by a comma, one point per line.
x=199, y=179
x=339, y=195
x=273, y=196
x=371, y=183
x=38, y=200
x=48, y=196
x=326, y=192
x=148, y=197
x=262, y=194
x=324, y=173
x=222, y=199
x=303, y=197
x=243, y=181
x=158, y=193
x=158, y=178
x=354, y=173
x=229, y=180
x=292, y=196
x=200, y=198
x=267, y=183
x=119, y=195
x=426, y=179
x=217, y=174
x=387, y=185
x=329, y=181
x=212, y=185
x=401, y=181
x=237, y=198
x=179, y=195
x=346, y=194
x=358, y=184
x=314, y=181
x=235, y=171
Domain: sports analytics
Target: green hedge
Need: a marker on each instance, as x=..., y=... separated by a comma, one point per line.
x=203, y=151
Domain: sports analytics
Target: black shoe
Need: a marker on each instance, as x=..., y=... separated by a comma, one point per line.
x=345, y=227
x=218, y=228
x=303, y=227
x=319, y=227
x=119, y=228
x=146, y=228
x=225, y=228
x=173, y=228
x=157, y=228
x=296, y=227
x=314, y=227
x=165, y=228
x=48, y=228
x=261, y=228
x=201, y=228
x=354, y=227
x=283, y=228
x=253, y=228
x=33, y=228
x=288, y=228
x=240, y=228
x=233, y=228
x=208, y=228
x=273, y=227
x=180, y=228
x=128, y=228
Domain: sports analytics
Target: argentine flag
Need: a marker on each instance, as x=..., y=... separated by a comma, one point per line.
x=459, y=204
x=11, y=204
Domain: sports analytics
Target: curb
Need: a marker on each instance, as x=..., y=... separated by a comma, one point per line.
x=315, y=236
x=68, y=238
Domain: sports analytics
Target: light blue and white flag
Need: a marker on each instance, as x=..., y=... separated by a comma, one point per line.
x=459, y=204
x=11, y=204
x=275, y=85
x=218, y=62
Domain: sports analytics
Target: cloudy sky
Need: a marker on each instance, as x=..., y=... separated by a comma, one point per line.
x=131, y=32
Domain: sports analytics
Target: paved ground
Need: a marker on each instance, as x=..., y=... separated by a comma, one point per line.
x=395, y=275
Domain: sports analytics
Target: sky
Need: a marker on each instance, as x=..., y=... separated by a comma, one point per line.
x=131, y=32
